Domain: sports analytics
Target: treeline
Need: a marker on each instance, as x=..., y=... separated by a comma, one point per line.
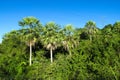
x=54, y=52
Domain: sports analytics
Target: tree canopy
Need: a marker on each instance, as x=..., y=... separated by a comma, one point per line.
x=56, y=52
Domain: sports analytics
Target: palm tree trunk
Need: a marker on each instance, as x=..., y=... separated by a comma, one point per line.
x=69, y=50
x=51, y=55
x=30, y=54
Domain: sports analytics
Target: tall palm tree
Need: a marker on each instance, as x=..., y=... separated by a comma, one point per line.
x=28, y=33
x=69, y=40
x=90, y=29
x=51, y=38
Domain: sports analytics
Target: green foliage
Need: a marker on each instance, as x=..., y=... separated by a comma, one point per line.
x=94, y=59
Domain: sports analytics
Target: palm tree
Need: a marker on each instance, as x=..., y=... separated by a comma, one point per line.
x=69, y=40
x=28, y=32
x=51, y=38
x=90, y=29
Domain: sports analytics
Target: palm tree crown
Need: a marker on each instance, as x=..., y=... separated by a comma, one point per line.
x=90, y=29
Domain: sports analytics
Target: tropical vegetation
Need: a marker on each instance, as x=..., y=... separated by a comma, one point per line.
x=55, y=52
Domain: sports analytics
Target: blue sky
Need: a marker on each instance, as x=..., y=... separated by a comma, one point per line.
x=75, y=12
